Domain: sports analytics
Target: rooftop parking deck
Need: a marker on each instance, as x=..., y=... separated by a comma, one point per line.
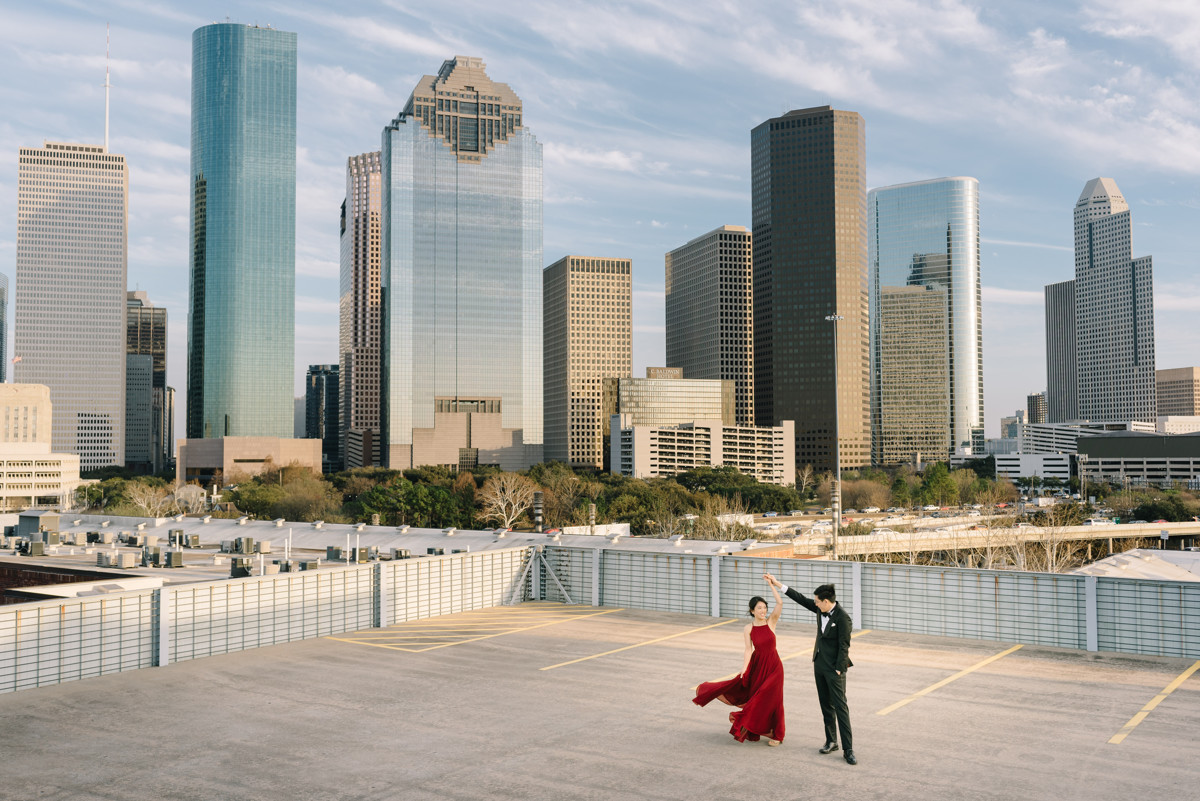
x=549, y=701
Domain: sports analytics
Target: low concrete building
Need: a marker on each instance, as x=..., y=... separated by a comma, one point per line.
x=201, y=459
x=1179, y=424
x=1062, y=437
x=1027, y=465
x=1142, y=458
x=768, y=454
x=30, y=475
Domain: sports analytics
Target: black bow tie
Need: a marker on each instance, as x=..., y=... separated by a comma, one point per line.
x=826, y=614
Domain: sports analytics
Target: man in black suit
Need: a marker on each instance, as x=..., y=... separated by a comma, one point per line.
x=831, y=660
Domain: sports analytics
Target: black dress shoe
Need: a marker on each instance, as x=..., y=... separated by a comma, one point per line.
x=850, y=758
x=829, y=748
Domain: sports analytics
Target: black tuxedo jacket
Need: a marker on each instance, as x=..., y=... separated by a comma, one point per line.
x=832, y=648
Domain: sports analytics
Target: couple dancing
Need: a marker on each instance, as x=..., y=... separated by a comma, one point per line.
x=758, y=689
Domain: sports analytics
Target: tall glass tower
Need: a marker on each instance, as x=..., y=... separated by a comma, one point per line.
x=926, y=320
x=462, y=276
x=241, y=326
x=809, y=197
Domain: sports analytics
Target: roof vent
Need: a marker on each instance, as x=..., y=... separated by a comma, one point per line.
x=141, y=526
x=278, y=522
x=360, y=526
x=449, y=532
x=76, y=522
x=242, y=520
x=676, y=540
x=402, y=529
x=105, y=523
x=318, y=523
x=206, y=519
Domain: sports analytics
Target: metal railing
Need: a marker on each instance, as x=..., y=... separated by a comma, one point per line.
x=49, y=642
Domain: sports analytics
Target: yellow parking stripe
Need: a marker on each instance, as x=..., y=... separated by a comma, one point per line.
x=430, y=636
x=638, y=645
x=1148, y=708
x=947, y=680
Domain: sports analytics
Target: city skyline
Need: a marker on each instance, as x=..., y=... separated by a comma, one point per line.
x=651, y=163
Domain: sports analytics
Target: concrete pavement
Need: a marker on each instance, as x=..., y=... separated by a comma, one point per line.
x=462, y=708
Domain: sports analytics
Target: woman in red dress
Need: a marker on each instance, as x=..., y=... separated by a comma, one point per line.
x=758, y=689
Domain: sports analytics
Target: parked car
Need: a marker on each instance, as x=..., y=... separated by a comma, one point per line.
x=885, y=531
x=770, y=514
x=770, y=527
x=795, y=512
x=849, y=511
x=929, y=508
x=870, y=510
x=974, y=513
x=1099, y=521
x=1158, y=521
x=1135, y=522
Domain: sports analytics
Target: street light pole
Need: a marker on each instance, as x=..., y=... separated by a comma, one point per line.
x=836, y=496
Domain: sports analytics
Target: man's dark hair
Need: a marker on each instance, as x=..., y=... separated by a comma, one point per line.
x=825, y=592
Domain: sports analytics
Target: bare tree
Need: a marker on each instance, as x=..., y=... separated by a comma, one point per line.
x=505, y=497
x=805, y=476
x=153, y=501
x=190, y=498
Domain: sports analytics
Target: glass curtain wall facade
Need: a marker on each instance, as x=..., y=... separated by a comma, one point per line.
x=69, y=309
x=241, y=326
x=461, y=267
x=809, y=205
x=146, y=334
x=1062, y=384
x=926, y=320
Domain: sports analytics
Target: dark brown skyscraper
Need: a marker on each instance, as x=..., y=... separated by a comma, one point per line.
x=810, y=261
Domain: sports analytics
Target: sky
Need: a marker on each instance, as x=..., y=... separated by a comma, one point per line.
x=644, y=111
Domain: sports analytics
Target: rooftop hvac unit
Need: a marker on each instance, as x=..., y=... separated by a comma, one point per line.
x=34, y=549
x=151, y=540
x=435, y=551
x=373, y=553
x=358, y=555
x=333, y=553
x=106, y=537
x=227, y=546
x=311, y=564
x=264, y=546
x=51, y=537
x=93, y=536
x=126, y=561
x=287, y=565
x=239, y=567
x=401, y=553
x=193, y=541
x=104, y=559
x=245, y=545
x=173, y=559
x=461, y=550
x=176, y=536
x=271, y=569
x=151, y=556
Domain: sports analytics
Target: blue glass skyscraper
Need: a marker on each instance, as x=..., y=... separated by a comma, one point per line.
x=926, y=320
x=462, y=276
x=241, y=326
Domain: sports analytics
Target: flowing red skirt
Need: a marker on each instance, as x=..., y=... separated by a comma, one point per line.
x=758, y=692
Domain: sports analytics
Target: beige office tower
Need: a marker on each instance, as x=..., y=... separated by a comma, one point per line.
x=359, y=318
x=1178, y=391
x=710, y=311
x=588, y=337
x=69, y=322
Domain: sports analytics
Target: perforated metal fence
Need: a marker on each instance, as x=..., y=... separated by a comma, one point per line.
x=49, y=642
x=1066, y=611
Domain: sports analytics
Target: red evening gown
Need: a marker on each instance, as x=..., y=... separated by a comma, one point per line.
x=759, y=692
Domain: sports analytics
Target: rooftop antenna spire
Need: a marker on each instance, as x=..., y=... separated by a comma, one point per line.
x=107, y=86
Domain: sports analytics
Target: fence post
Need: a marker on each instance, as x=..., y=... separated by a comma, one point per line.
x=715, y=586
x=597, y=555
x=162, y=603
x=1091, y=614
x=856, y=594
x=381, y=610
x=535, y=575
